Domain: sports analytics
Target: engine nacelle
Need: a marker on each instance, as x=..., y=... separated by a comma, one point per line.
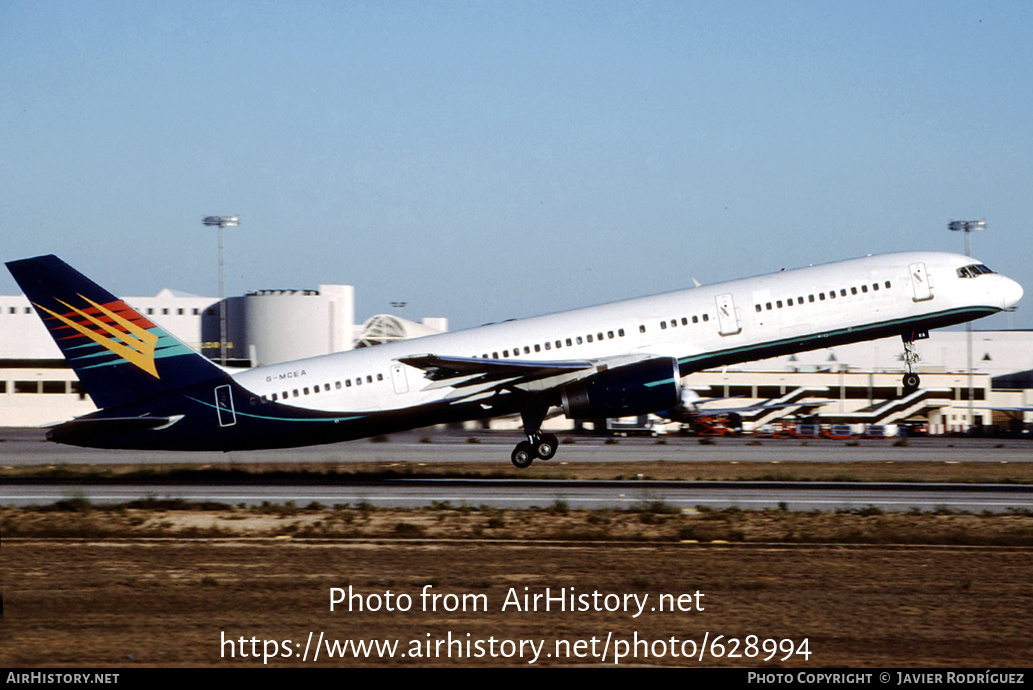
x=632, y=389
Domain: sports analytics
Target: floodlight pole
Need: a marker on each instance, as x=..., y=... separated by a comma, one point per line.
x=222, y=222
x=968, y=227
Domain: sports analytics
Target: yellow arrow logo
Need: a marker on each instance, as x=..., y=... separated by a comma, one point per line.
x=135, y=345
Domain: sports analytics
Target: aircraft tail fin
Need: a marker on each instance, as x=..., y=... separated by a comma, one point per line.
x=119, y=355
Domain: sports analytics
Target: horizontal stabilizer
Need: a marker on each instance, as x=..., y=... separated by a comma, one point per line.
x=79, y=430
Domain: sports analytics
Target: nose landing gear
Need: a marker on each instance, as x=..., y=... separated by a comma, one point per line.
x=911, y=381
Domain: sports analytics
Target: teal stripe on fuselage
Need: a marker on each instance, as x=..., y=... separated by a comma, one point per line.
x=815, y=341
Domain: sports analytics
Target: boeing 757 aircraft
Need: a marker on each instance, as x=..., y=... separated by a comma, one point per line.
x=612, y=360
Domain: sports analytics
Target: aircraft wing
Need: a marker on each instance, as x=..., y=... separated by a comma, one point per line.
x=439, y=368
x=472, y=377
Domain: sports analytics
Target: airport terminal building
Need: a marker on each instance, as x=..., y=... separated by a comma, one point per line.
x=857, y=384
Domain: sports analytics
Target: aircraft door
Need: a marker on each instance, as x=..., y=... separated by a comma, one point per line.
x=920, y=282
x=224, y=404
x=728, y=322
x=398, y=379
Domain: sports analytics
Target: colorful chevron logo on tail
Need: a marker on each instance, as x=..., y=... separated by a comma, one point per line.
x=131, y=339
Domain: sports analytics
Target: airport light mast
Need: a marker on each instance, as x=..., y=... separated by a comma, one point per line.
x=968, y=227
x=222, y=222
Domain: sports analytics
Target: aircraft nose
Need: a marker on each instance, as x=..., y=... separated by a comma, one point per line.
x=1011, y=292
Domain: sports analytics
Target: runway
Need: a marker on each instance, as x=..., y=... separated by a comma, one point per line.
x=25, y=448
x=801, y=496
x=28, y=447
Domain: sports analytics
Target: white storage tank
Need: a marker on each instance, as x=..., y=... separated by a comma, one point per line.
x=270, y=326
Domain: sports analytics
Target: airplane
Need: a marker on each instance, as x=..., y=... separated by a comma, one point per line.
x=619, y=359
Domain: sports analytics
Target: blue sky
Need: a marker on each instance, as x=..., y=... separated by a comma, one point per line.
x=491, y=160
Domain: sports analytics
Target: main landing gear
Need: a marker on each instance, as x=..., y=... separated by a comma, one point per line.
x=537, y=445
x=911, y=381
x=542, y=446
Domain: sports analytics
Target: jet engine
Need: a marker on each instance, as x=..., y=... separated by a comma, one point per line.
x=632, y=389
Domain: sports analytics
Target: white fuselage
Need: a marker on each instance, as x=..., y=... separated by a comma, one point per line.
x=740, y=320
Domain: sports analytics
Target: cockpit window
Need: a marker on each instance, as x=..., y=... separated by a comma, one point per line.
x=973, y=271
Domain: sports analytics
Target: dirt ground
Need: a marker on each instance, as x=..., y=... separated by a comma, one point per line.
x=451, y=586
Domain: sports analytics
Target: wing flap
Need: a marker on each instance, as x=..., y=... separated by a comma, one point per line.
x=441, y=368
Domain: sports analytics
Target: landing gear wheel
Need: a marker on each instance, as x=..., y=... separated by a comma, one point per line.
x=911, y=380
x=523, y=454
x=546, y=446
